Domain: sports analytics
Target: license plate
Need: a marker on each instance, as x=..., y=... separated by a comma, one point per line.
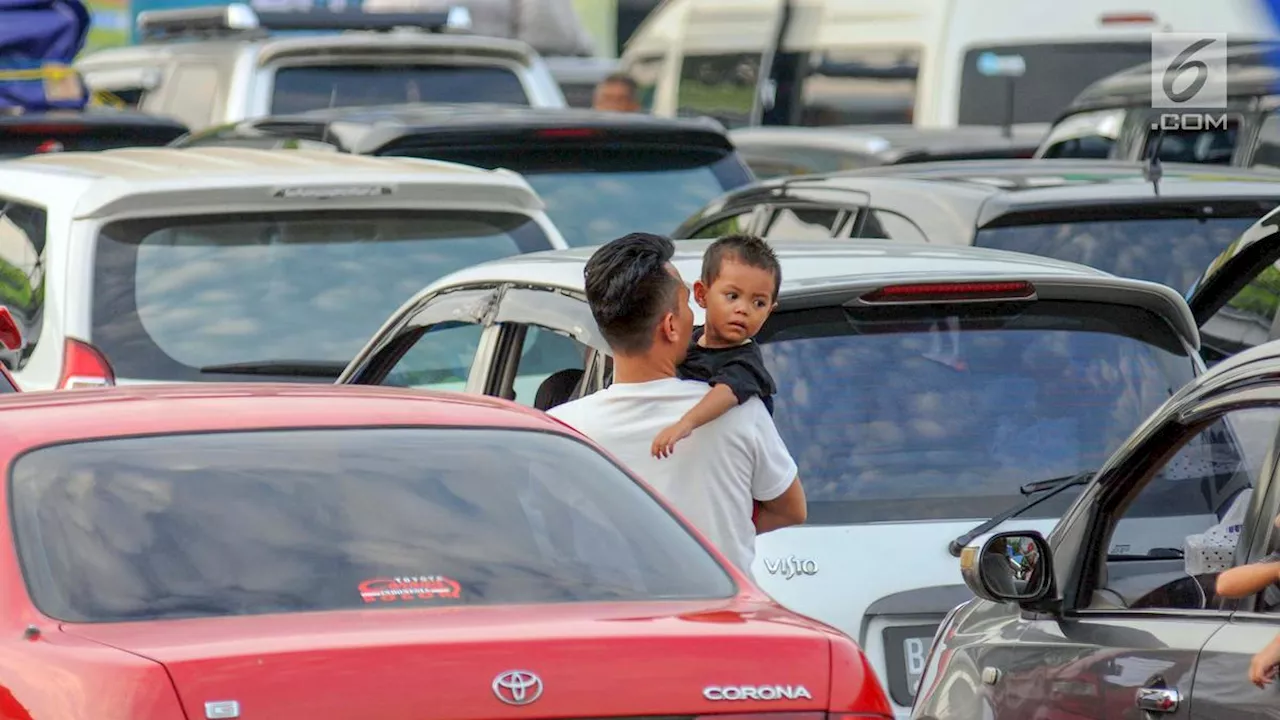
x=906, y=648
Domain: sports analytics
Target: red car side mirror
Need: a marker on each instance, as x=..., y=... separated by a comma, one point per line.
x=10, y=333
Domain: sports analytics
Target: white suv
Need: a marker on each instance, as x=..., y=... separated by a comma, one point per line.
x=144, y=265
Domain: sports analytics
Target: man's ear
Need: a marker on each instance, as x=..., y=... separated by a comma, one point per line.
x=700, y=294
x=669, y=327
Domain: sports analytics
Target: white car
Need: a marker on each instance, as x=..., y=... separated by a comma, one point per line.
x=922, y=389
x=165, y=264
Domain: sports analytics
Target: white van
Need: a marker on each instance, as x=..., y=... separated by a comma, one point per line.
x=937, y=63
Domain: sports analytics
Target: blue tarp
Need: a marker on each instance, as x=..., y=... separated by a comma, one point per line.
x=38, y=41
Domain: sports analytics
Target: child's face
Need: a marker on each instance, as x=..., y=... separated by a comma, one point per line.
x=737, y=302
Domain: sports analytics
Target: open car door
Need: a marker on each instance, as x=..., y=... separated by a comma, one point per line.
x=1235, y=301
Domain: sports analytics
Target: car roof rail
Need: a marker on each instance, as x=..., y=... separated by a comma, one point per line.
x=239, y=19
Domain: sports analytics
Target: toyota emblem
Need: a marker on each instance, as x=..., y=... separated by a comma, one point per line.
x=517, y=687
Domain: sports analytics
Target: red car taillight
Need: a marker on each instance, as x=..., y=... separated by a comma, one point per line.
x=84, y=366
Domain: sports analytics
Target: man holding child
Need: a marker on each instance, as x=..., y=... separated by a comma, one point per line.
x=734, y=457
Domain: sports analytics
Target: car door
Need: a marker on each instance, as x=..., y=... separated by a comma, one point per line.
x=445, y=341
x=546, y=337
x=1136, y=571
x=1235, y=300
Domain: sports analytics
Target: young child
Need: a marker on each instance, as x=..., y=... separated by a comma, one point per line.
x=738, y=289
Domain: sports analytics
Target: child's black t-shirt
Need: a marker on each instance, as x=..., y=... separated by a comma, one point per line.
x=740, y=367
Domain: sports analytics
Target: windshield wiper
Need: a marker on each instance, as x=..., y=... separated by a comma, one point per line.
x=1048, y=487
x=301, y=368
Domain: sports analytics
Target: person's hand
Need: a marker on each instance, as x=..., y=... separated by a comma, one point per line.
x=665, y=443
x=1263, y=668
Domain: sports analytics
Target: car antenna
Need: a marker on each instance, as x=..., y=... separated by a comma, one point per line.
x=1152, y=170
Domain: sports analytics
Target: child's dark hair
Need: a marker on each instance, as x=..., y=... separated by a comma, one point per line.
x=746, y=249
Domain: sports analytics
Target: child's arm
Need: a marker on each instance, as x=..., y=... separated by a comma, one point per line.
x=714, y=404
x=739, y=379
x=1246, y=580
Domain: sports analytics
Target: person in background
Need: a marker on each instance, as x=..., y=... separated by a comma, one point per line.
x=617, y=93
x=641, y=306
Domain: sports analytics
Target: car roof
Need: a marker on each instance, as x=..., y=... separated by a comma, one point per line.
x=100, y=180
x=1250, y=73
x=812, y=268
x=48, y=417
x=987, y=189
x=366, y=129
x=874, y=139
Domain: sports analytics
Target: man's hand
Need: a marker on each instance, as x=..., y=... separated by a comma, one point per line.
x=665, y=443
x=1263, y=668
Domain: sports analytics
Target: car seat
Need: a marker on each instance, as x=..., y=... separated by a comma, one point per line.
x=557, y=389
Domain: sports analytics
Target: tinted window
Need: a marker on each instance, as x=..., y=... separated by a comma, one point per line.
x=307, y=520
x=944, y=413
x=1248, y=319
x=863, y=86
x=1171, y=251
x=719, y=86
x=1204, y=144
x=1085, y=135
x=596, y=193
x=440, y=358
x=299, y=89
x=89, y=137
x=1054, y=75
x=543, y=353
x=22, y=241
x=174, y=295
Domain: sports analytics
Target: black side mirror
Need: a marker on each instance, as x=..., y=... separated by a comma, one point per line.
x=1009, y=567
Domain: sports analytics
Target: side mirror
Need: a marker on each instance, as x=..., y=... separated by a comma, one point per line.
x=1010, y=567
x=10, y=333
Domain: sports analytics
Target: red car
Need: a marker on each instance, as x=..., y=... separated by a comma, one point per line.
x=355, y=552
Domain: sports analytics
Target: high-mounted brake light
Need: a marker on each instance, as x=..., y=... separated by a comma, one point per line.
x=49, y=146
x=84, y=366
x=561, y=133
x=966, y=291
x=1127, y=19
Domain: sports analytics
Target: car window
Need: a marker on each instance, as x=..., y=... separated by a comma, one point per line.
x=1090, y=134
x=1173, y=251
x=646, y=71
x=1165, y=532
x=597, y=191
x=177, y=298
x=1206, y=144
x=543, y=353
x=719, y=86
x=1053, y=75
x=887, y=224
x=935, y=413
x=1266, y=153
x=802, y=223
x=23, y=232
x=869, y=85
x=729, y=225
x=285, y=521
x=439, y=359
x=300, y=89
x=1248, y=319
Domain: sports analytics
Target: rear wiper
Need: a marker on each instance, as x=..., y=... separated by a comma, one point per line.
x=1048, y=487
x=301, y=368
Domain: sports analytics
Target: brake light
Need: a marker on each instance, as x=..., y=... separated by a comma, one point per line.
x=84, y=366
x=1127, y=19
x=49, y=146
x=965, y=291
x=563, y=133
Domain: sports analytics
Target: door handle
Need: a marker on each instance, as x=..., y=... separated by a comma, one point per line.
x=1161, y=700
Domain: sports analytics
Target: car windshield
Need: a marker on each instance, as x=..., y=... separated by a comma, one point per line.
x=240, y=523
x=1172, y=251
x=177, y=294
x=1052, y=76
x=944, y=413
x=300, y=89
x=595, y=193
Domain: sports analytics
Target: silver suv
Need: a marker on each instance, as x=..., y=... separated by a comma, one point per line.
x=213, y=65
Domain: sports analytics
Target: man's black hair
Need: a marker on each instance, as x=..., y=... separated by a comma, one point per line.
x=746, y=249
x=623, y=78
x=629, y=289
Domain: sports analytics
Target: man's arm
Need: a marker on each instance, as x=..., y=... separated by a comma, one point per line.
x=789, y=508
x=1246, y=580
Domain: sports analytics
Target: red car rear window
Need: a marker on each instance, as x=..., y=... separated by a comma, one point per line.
x=304, y=520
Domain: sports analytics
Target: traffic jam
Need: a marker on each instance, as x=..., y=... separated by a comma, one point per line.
x=649, y=359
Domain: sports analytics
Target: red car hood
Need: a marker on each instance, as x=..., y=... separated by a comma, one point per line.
x=594, y=660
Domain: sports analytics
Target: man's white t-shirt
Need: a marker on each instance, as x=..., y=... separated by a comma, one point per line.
x=713, y=475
